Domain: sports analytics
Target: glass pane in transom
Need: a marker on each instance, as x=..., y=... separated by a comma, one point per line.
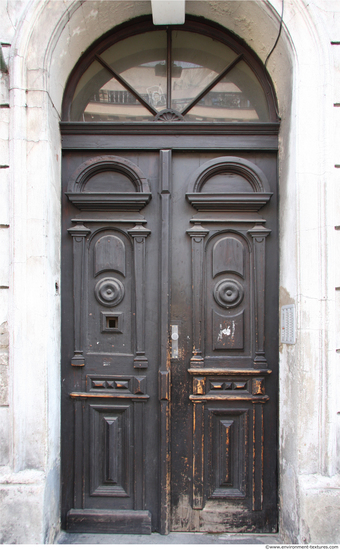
x=196, y=61
x=99, y=97
x=141, y=61
x=238, y=97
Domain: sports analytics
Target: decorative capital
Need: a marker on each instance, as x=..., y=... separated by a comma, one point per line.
x=79, y=230
x=259, y=232
x=139, y=231
x=198, y=231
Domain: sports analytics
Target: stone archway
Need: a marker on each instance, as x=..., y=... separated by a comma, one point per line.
x=48, y=41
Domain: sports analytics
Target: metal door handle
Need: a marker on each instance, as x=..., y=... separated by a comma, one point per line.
x=174, y=341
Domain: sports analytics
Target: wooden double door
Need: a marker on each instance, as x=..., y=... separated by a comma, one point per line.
x=170, y=340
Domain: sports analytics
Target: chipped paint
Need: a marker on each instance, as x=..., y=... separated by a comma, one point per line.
x=229, y=330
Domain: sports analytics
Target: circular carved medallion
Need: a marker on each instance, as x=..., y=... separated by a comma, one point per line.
x=228, y=293
x=109, y=291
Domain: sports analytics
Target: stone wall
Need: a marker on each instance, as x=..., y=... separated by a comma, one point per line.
x=309, y=370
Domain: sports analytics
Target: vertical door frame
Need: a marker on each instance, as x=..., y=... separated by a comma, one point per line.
x=165, y=160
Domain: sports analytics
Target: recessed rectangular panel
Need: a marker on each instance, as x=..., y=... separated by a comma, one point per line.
x=227, y=452
x=110, y=450
x=228, y=386
x=227, y=331
x=229, y=300
x=226, y=429
x=108, y=294
x=109, y=255
x=228, y=256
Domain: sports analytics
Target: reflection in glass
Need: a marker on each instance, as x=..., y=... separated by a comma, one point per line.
x=99, y=97
x=141, y=61
x=197, y=60
x=238, y=97
x=114, y=103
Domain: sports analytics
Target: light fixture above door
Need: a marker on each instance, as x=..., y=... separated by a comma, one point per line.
x=168, y=12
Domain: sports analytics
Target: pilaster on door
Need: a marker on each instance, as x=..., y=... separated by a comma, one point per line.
x=197, y=235
x=139, y=235
x=259, y=234
x=79, y=234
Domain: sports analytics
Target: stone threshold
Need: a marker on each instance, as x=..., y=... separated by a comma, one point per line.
x=172, y=538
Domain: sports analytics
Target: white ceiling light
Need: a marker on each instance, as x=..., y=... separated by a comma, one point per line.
x=168, y=12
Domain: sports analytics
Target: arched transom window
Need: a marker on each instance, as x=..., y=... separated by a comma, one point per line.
x=191, y=73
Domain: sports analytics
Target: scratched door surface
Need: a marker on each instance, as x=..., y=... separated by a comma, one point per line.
x=169, y=326
x=224, y=303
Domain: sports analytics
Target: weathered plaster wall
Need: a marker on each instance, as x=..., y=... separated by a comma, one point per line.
x=47, y=37
x=309, y=370
x=27, y=459
x=9, y=21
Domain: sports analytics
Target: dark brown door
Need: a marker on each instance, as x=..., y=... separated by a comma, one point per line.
x=224, y=303
x=169, y=340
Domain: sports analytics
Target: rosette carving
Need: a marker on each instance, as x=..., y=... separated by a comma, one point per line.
x=109, y=291
x=228, y=293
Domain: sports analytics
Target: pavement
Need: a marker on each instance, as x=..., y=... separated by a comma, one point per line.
x=172, y=538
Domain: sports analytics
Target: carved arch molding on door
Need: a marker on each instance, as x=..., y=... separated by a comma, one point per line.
x=169, y=322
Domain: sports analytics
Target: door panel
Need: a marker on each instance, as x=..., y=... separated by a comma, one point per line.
x=110, y=343
x=154, y=240
x=223, y=396
x=228, y=295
